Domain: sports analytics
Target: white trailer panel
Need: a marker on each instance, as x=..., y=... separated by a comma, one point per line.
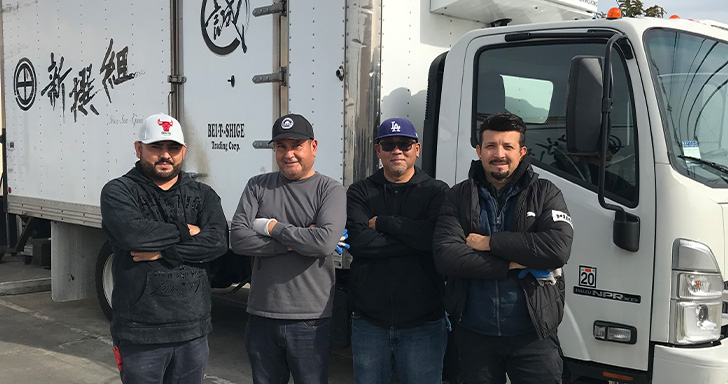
x=224, y=112
x=73, y=105
x=411, y=38
x=315, y=54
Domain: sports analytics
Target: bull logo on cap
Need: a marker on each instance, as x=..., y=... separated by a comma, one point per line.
x=287, y=123
x=166, y=125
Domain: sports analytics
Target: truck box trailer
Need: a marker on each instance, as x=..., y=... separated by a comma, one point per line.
x=79, y=77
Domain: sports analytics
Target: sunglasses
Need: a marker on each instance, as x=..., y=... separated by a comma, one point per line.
x=404, y=146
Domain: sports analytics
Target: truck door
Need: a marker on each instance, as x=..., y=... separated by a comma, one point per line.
x=247, y=62
x=315, y=83
x=604, y=284
x=225, y=114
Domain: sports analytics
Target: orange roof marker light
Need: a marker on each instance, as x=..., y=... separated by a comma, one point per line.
x=614, y=13
x=674, y=17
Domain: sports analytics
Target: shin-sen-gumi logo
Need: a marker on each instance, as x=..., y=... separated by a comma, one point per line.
x=166, y=125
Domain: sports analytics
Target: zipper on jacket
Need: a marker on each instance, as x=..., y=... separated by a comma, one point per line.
x=497, y=308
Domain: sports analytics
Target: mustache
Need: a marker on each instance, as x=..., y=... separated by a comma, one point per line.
x=499, y=161
x=164, y=161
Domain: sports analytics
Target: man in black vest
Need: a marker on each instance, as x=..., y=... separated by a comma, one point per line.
x=501, y=239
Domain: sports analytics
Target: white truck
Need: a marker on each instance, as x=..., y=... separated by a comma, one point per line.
x=628, y=117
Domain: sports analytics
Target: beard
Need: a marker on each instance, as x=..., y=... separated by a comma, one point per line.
x=500, y=175
x=397, y=170
x=151, y=171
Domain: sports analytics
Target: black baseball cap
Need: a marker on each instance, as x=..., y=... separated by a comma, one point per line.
x=292, y=126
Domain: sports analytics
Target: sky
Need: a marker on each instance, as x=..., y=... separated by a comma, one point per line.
x=687, y=9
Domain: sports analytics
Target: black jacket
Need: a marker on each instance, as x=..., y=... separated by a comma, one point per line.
x=393, y=281
x=167, y=300
x=540, y=237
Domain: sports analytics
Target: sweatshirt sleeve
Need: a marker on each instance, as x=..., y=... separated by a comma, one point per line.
x=125, y=225
x=243, y=239
x=416, y=234
x=453, y=257
x=211, y=242
x=321, y=238
x=549, y=246
x=365, y=242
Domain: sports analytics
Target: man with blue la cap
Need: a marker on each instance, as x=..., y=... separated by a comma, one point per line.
x=395, y=293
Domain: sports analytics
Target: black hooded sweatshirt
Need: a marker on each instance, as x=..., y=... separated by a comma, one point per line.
x=393, y=281
x=167, y=300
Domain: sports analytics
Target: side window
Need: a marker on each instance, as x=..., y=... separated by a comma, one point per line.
x=531, y=81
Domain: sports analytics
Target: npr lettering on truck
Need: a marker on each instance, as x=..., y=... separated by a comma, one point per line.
x=628, y=117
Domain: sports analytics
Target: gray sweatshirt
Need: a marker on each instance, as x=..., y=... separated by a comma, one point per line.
x=295, y=284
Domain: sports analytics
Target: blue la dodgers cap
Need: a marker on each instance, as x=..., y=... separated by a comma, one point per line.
x=397, y=126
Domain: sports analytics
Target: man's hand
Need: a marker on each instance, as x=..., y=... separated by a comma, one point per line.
x=478, y=242
x=146, y=256
x=514, y=265
x=271, y=225
x=341, y=245
x=193, y=229
x=263, y=226
x=373, y=223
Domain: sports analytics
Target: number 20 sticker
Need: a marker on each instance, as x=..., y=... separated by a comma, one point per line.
x=587, y=276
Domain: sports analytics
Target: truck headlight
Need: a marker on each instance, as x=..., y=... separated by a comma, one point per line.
x=697, y=290
x=700, y=286
x=696, y=322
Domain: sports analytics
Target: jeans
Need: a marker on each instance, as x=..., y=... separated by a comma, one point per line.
x=279, y=348
x=416, y=352
x=182, y=363
x=525, y=358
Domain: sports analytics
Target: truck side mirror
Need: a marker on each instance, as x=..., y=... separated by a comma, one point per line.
x=584, y=105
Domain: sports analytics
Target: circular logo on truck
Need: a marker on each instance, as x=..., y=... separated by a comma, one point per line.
x=25, y=85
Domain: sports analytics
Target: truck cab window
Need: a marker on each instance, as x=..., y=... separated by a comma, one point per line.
x=690, y=73
x=531, y=81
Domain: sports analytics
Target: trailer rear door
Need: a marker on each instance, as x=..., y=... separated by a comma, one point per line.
x=224, y=113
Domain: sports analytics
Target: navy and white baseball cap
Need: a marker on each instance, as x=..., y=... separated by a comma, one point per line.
x=292, y=126
x=397, y=126
x=161, y=127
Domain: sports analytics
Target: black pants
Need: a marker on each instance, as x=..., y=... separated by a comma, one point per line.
x=179, y=363
x=525, y=358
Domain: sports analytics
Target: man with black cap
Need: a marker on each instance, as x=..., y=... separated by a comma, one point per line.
x=290, y=222
x=394, y=289
x=164, y=228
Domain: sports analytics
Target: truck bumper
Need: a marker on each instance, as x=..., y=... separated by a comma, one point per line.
x=691, y=365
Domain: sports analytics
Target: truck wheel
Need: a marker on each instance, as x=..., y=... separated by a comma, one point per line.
x=104, y=279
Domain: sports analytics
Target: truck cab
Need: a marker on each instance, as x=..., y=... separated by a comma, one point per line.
x=651, y=307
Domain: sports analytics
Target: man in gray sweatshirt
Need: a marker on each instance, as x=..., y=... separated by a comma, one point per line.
x=290, y=222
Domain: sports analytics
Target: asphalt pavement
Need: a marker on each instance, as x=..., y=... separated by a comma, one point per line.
x=42, y=341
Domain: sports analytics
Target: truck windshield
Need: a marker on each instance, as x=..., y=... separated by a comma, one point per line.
x=691, y=78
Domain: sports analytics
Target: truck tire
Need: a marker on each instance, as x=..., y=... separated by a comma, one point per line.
x=104, y=279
